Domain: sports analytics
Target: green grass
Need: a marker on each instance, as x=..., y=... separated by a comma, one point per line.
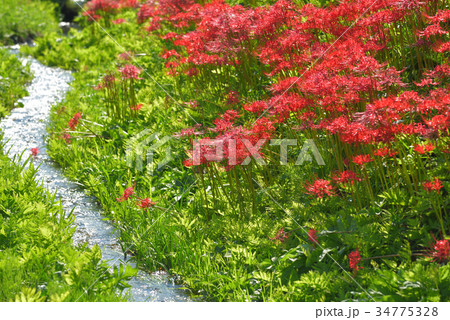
x=13, y=78
x=22, y=20
x=38, y=261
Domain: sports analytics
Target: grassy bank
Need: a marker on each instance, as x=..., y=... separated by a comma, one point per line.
x=13, y=78
x=38, y=261
x=369, y=224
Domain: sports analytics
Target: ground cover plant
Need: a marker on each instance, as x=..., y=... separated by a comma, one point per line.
x=360, y=86
x=13, y=78
x=38, y=261
x=22, y=20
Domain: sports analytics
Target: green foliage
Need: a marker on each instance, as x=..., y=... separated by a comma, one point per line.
x=13, y=77
x=22, y=20
x=38, y=261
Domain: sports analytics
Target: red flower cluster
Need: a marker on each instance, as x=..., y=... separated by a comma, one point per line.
x=384, y=152
x=281, y=236
x=127, y=194
x=118, y=21
x=96, y=9
x=320, y=188
x=145, y=203
x=189, y=132
x=346, y=177
x=141, y=203
x=340, y=79
x=130, y=71
x=354, y=259
x=74, y=121
x=136, y=107
x=312, y=236
x=35, y=151
x=362, y=159
x=424, y=148
x=435, y=185
x=441, y=250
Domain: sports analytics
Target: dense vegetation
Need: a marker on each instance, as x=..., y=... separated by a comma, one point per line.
x=13, y=78
x=22, y=20
x=366, y=82
x=38, y=261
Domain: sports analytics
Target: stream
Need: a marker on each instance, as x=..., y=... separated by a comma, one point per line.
x=24, y=129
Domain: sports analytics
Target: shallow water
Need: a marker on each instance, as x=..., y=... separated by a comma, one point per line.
x=24, y=129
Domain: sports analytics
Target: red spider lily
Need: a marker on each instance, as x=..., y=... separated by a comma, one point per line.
x=432, y=30
x=320, y=188
x=96, y=8
x=441, y=251
x=435, y=185
x=129, y=4
x=345, y=177
x=421, y=149
x=354, y=259
x=188, y=163
x=130, y=71
x=384, y=152
x=92, y=16
x=163, y=8
x=35, y=151
x=263, y=128
x=127, y=194
x=281, y=236
x=74, y=121
x=312, y=236
x=230, y=115
x=145, y=203
x=136, y=107
x=170, y=53
x=443, y=47
x=256, y=107
x=233, y=145
x=439, y=123
x=362, y=159
x=426, y=82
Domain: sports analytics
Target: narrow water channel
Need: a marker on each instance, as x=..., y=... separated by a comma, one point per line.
x=24, y=129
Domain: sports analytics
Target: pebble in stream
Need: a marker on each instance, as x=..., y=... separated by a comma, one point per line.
x=24, y=129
